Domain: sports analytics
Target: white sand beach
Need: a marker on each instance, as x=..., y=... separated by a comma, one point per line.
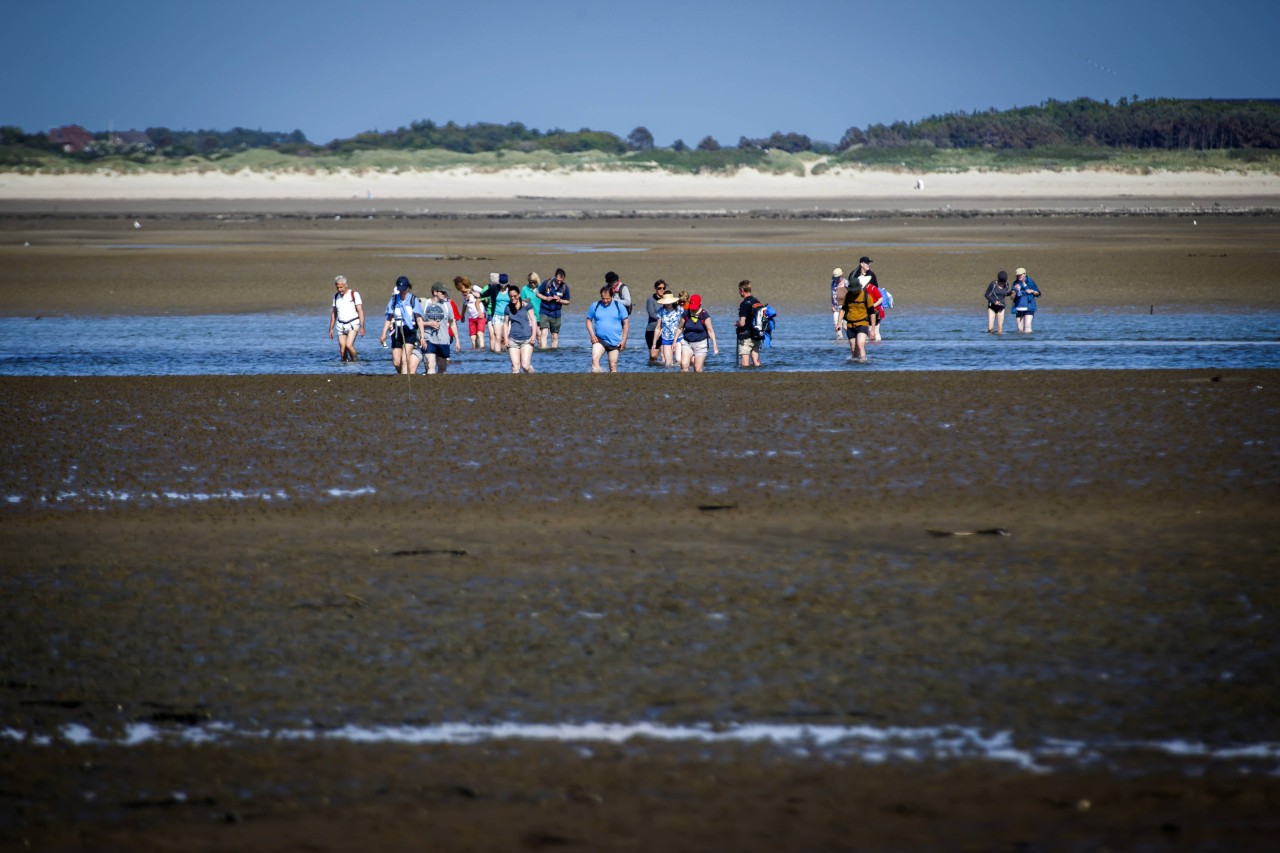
x=845, y=184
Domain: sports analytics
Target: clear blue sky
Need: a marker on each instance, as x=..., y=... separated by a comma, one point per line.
x=683, y=69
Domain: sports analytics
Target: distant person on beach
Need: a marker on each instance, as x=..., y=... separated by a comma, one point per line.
x=439, y=329
x=837, y=281
x=996, y=295
x=1025, y=292
x=666, y=339
x=621, y=293
x=346, y=318
x=748, y=344
x=404, y=324
x=522, y=330
x=857, y=308
x=695, y=331
x=473, y=310
x=651, y=326
x=554, y=295
x=607, y=328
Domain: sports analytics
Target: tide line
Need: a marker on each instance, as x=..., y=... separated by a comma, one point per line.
x=868, y=744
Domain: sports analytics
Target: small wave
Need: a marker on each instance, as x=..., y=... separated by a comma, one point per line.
x=869, y=744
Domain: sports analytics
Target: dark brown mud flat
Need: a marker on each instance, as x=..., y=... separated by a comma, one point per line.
x=681, y=550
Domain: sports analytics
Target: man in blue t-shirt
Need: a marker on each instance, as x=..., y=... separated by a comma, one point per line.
x=554, y=295
x=607, y=327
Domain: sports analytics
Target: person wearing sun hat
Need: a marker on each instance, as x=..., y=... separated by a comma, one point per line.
x=1025, y=292
x=837, y=281
x=695, y=331
x=666, y=336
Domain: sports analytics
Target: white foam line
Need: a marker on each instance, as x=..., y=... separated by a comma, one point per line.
x=865, y=743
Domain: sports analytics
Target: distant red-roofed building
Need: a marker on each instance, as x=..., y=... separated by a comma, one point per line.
x=73, y=138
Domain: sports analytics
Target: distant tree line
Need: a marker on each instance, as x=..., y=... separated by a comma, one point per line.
x=476, y=138
x=1163, y=123
x=1159, y=123
x=202, y=143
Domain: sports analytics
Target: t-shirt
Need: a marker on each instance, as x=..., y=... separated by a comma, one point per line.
x=500, y=303
x=669, y=320
x=344, y=307
x=404, y=310
x=529, y=295
x=695, y=328
x=519, y=329
x=857, y=308
x=652, y=307
x=875, y=295
x=607, y=321
x=745, y=310
x=443, y=312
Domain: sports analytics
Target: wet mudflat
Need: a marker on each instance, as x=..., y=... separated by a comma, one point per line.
x=218, y=556
x=243, y=264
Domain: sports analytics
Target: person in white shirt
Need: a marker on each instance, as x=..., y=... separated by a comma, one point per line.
x=346, y=318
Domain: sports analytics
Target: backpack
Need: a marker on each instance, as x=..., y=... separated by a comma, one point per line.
x=863, y=299
x=888, y=299
x=761, y=320
x=623, y=295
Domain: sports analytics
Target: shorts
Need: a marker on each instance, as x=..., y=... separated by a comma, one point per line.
x=497, y=320
x=517, y=343
x=746, y=346
x=1026, y=311
x=854, y=331
x=438, y=350
x=666, y=342
x=346, y=327
x=996, y=307
x=551, y=323
x=610, y=347
x=475, y=325
x=405, y=336
x=697, y=348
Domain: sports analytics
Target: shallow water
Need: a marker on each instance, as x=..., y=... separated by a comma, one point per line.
x=223, y=344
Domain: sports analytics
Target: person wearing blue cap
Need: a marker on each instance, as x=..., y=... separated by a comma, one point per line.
x=404, y=318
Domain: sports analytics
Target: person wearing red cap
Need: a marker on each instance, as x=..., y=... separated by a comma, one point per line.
x=695, y=331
